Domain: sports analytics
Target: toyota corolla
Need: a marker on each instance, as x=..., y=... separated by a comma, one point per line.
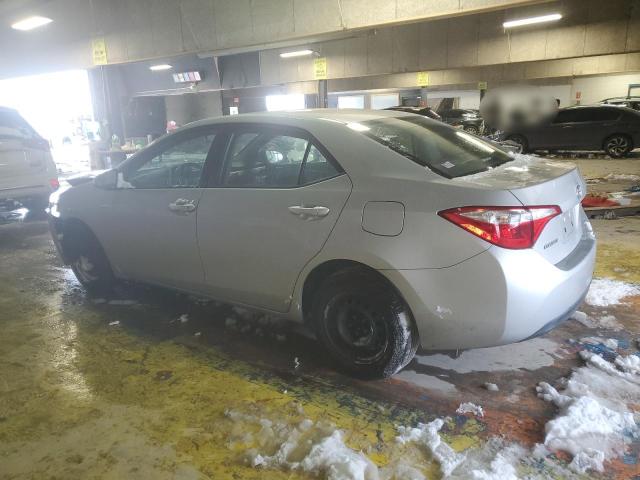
x=381, y=230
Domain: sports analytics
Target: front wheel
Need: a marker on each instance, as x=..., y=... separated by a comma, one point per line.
x=618, y=146
x=472, y=129
x=364, y=323
x=88, y=260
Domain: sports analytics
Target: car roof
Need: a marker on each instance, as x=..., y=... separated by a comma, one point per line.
x=304, y=118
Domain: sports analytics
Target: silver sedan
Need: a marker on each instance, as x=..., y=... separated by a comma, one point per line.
x=381, y=230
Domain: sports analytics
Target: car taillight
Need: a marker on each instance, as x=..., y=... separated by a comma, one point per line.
x=507, y=227
x=55, y=184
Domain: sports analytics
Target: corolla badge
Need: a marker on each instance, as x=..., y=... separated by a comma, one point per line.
x=579, y=191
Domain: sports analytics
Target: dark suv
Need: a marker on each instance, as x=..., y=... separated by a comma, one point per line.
x=470, y=120
x=616, y=130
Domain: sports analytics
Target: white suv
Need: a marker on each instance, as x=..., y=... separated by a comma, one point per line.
x=27, y=171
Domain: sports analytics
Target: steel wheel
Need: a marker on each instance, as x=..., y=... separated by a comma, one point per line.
x=472, y=129
x=356, y=329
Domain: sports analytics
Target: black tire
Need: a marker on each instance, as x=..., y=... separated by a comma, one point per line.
x=88, y=260
x=364, y=323
x=520, y=140
x=618, y=146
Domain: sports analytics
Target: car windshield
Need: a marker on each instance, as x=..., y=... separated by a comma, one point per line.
x=444, y=150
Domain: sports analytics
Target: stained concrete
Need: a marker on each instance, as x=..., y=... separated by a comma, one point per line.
x=93, y=389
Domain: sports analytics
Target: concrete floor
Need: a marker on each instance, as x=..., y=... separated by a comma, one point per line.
x=84, y=397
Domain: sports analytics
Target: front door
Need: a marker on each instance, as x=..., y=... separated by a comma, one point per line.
x=273, y=206
x=151, y=232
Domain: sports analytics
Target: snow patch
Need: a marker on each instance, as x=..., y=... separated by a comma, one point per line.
x=623, y=177
x=426, y=434
x=605, y=291
x=593, y=418
x=468, y=407
x=492, y=387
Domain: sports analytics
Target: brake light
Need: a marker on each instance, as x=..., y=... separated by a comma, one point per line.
x=507, y=227
x=55, y=184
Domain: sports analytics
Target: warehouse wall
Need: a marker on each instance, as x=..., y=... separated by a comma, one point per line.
x=594, y=89
x=147, y=29
x=589, y=28
x=189, y=107
x=144, y=29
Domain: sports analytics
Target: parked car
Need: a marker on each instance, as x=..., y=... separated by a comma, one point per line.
x=630, y=102
x=424, y=111
x=467, y=119
x=27, y=171
x=381, y=230
x=616, y=130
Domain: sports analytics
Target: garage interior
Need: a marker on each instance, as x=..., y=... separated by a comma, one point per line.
x=154, y=383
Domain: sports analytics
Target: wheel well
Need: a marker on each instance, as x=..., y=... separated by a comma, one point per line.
x=322, y=271
x=70, y=228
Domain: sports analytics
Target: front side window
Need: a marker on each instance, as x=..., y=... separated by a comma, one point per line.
x=178, y=166
x=446, y=151
x=271, y=160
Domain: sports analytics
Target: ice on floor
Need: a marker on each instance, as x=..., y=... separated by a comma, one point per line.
x=610, y=343
x=316, y=448
x=468, y=407
x=492, y=387
x=609, y=322
x=594, y=414
x=605, y=291
x=426, y=434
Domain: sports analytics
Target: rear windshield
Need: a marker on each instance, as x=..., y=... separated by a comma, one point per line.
x=13, y=125
x=445, y=150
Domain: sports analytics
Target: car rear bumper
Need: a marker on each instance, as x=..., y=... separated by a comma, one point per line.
x=499, y=296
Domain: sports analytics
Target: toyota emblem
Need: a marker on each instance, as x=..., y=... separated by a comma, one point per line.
x=579, y=191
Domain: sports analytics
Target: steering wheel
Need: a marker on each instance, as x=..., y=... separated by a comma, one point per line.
x=186, y=175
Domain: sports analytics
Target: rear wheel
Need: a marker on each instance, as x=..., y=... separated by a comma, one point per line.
x=364, y=323
x=88, y=260
x=618, y=146
x=520, y=140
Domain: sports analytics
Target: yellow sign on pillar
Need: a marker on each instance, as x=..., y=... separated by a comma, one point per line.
x=423, y=79
x=482, y=85
x=320, y=68
x=99, y=51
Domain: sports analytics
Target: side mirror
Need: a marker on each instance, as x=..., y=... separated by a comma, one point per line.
x=107, y=180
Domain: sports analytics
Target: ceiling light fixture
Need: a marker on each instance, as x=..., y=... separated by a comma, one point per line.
x=531, y=20
x=30, y=23
x=296, y=53
x=162, y=66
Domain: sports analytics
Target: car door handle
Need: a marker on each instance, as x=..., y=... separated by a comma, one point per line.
x=182, y=205
x=309, y=212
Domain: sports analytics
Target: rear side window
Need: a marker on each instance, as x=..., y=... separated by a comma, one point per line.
x=13, y=125
x=270, y=160
x=586, y=115
x=446, y=151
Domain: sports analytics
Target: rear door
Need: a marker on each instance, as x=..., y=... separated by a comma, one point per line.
x=267, y=213
x=149, y=228
x=22, y=154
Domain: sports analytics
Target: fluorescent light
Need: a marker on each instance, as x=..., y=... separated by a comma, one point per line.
x=30, y=23
x=296, y=53
x=162, y=66
x=531, y=20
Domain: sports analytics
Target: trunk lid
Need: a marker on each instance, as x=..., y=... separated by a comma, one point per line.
x=536, y=181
